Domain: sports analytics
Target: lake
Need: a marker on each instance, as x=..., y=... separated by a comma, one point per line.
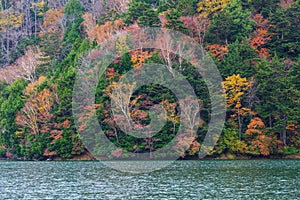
x=247, y=179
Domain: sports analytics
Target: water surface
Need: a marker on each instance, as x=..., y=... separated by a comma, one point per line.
x=254, y=179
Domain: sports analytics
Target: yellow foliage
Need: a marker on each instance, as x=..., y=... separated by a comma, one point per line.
x=9, y=19
x=104, y=31
x=171, y=111
x=39, y=7
x=121, y=45
x=31, y=88
x=235, y=86
x=209, y=7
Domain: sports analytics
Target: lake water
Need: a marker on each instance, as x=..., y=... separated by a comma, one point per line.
x=254, y=179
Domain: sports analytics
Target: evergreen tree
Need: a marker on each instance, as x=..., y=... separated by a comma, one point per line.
x=285, y=31
x=238, y=60
x=231, y=24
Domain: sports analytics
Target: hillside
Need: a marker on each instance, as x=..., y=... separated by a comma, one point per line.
x=254, y=43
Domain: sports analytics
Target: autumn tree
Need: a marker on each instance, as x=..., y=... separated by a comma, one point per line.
x=139, y=57
x=260, y=143
x=197, y=27
x=10, y=24
x=54, y=19
x=208, y=8
x=261, y=36
x=217, y=50
x=235, y=87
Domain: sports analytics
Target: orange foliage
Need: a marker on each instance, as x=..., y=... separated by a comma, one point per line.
x=163, y=19
x=139, y=57
x=261, y=36
x=255, y=126
x=101, y=32
x=36, y=114
x=262, y=143
x=218, y=51
x=195, y=147
x=89, y=24
x=53, y=20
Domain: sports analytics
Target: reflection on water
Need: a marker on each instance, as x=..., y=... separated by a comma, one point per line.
x=255, y=179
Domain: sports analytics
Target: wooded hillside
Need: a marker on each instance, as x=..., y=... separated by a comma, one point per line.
x=254, y=43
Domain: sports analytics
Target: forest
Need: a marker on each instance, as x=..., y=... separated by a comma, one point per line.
x=254, y=43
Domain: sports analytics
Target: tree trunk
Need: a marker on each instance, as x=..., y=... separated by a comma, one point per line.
x=284, y=131
x=35, y=20
x=240, y=126
x=7, y=44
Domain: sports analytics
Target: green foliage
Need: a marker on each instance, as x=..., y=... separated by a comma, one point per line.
x=288, y=150
x=149, y=18
x=73, y=9
x=125, y=65
x=2, y=152
x=285, y=31
x=266, y=7
x=174, y=23
x=238, y=60
x=63, y=148
x=142, y=12
x=276, y=90
x=35, y=147
x=273, y=93
x=10, y=103
x=230, y=142
x=186, y=7
x=231, y=24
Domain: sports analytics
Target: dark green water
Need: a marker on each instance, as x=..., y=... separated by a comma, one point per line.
x=255, y=179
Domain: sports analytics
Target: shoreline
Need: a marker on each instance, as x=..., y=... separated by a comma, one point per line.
x=90, y=157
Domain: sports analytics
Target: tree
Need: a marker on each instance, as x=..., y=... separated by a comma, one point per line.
x=261, y=36
x=235, y=87
x=139, y=57
x=240, y=59
x=73, y=10
x=278, y=95
x=232, y=24
x=37, y=109
x=38, y=10
x=174, y=22
x=285, y=31
x=260, y=143
x=149, y=19
x=207, y=8
x=265, y=7
x=121, y=99
x=54, y=19
x=197, y=27
x=135, y=11
x=9, y=106
x=218, y=51
x=10, y=23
